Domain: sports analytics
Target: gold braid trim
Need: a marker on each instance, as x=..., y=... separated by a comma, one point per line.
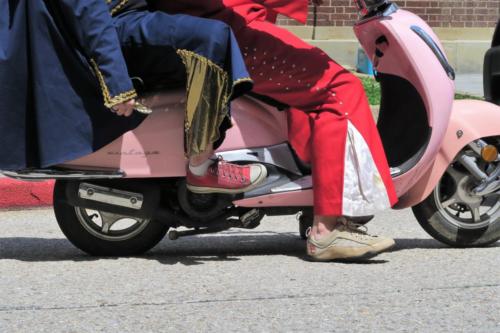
x=110, y=101
x=208, y=91
x=186, y=54
x=243, y=79
x=118, y=7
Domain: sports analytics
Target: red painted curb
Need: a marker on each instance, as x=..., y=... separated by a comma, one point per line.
x=20, y=194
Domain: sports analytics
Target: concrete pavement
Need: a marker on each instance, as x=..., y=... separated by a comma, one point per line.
x=470, y=84
x=245, y=281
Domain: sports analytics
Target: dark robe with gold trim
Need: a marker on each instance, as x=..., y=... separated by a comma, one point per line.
x=201, y=54
x=61, y=68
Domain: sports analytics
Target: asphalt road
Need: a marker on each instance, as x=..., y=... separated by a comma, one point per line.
x=245, y=281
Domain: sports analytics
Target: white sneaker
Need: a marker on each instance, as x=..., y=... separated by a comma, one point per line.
x=349, y=242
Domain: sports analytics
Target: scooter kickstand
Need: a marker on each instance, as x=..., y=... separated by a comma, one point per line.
x=249, y=220
x=175, y=235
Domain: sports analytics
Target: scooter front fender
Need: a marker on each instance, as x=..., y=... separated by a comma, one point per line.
x=470, y=120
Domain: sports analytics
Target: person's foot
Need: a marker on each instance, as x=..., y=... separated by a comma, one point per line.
x=224, y=177
x=347, y=242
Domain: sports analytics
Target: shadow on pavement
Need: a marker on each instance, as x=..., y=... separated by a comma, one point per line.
x=410, y=244
x=417, y=243
x=223, y=247
x=189, y=251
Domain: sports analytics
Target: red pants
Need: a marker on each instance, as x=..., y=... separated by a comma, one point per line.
x=330, y=121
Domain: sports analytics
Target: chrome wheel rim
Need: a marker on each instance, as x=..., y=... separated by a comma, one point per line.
x=460, y=207
x=109, y=226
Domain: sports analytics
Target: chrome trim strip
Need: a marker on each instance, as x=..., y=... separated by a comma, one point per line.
x=47, y=174
x=395, y=171
x=303, y=183
x=436, y=50
x=110, y=196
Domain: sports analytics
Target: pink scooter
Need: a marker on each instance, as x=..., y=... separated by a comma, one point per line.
x=444, y=157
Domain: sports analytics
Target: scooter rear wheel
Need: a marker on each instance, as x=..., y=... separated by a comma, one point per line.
x=455, y=216
x=105, y=234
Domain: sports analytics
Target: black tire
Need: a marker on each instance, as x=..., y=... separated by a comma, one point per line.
x=437, y=224
x=305, y=222
x=69, y=222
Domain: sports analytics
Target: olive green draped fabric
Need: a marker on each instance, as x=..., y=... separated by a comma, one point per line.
x=208, y=92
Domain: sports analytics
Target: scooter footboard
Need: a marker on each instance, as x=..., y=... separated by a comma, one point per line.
x=470, y=120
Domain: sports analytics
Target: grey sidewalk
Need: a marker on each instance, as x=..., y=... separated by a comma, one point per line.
x=470, y=84
x=244, y=281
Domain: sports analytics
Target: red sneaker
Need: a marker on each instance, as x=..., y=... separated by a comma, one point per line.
x=224, y=177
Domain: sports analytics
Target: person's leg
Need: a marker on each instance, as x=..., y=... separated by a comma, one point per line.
x=331, y=125
x=165, y=49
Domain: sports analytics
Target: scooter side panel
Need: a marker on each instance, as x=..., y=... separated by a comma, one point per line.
x=255, y=124
x=156, y=147
x=470, y=120
x=407, y=56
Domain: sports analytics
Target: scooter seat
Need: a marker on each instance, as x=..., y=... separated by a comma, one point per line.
x=162, y=88
x=269, y=101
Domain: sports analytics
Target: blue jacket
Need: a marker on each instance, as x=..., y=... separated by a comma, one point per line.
x=119, y=6
x=61, y=68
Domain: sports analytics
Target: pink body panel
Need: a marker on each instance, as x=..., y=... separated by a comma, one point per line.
x=407, y=56
x=255, y=124
x=475, y=120
x=155, y=148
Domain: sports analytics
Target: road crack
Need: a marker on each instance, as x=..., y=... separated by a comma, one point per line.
x=231, y=300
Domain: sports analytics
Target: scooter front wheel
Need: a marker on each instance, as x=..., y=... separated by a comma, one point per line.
x=456, y=216
x=100, y=233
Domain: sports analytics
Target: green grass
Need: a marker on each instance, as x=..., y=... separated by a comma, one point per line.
x=372, y=89
x=466, y=96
